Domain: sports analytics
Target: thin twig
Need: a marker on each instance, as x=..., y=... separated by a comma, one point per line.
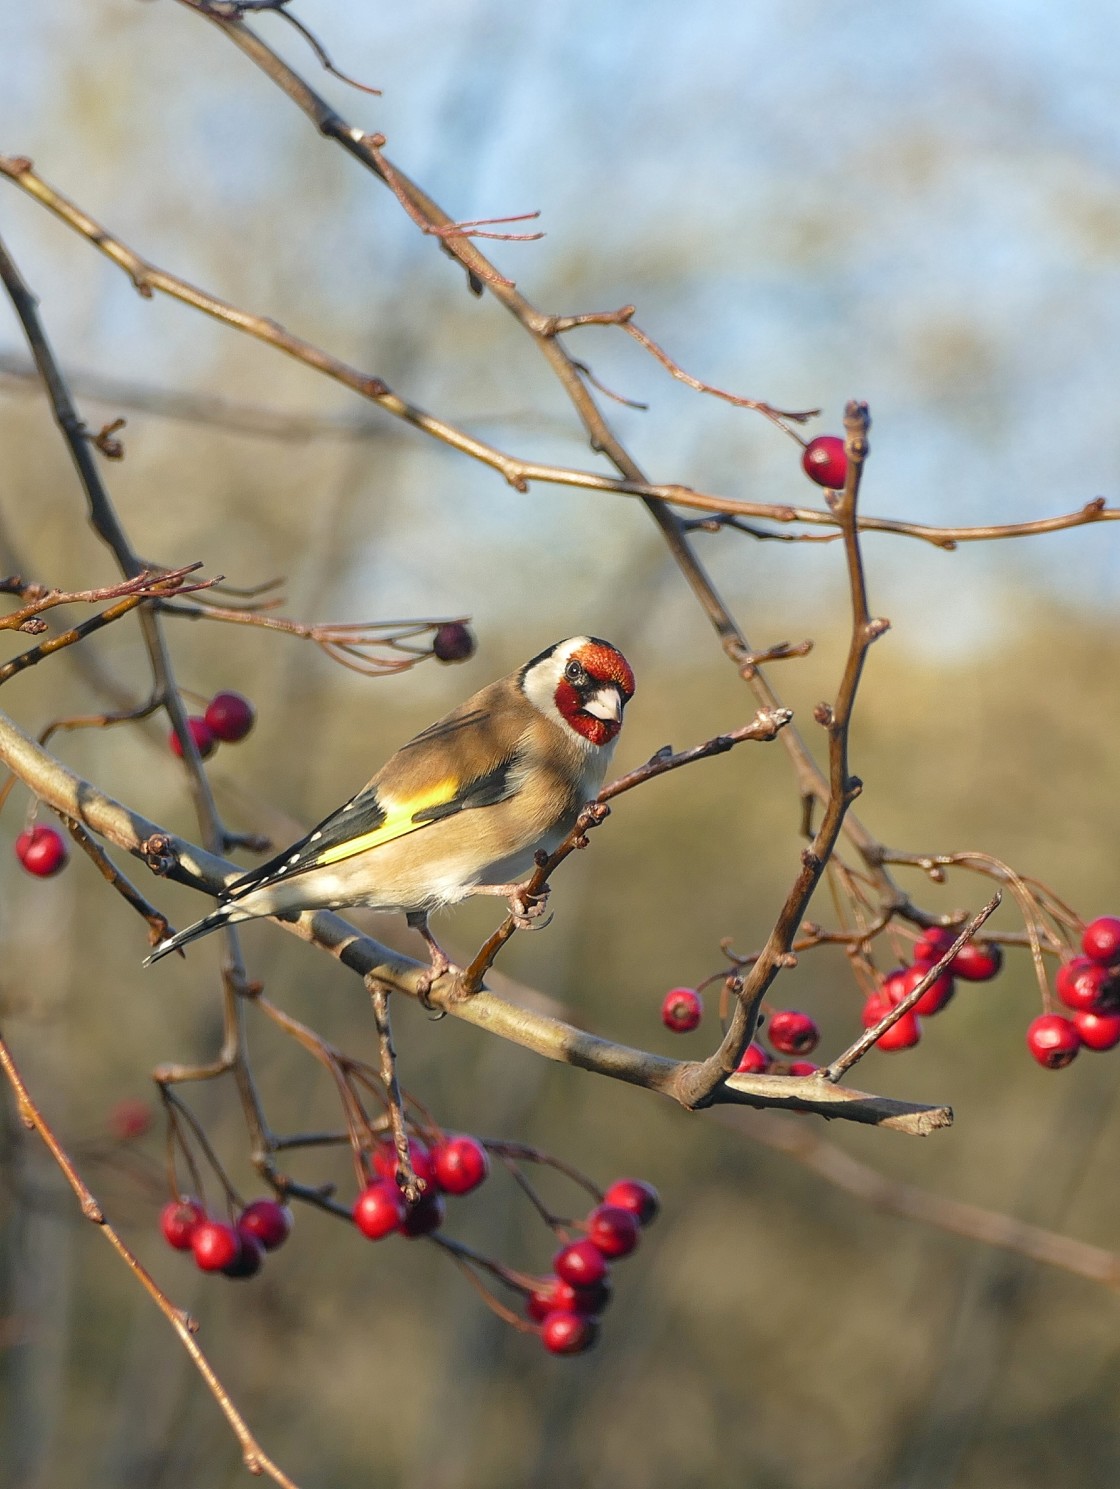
x=158, y=925
x=856, y=1051
x=409, y=1185
x=256, y=1460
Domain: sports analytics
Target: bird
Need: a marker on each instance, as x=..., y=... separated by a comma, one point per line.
x=462, y=809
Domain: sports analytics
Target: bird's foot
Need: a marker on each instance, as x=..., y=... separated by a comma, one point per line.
x=528, y=910
x=439, y=965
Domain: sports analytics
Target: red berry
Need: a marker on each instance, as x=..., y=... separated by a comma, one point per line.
x=379, y=1209
x=42, y=851
x=803, y=1067
x=215, y=1245
x=932, y=945
x=178, y=1221
x=459, y=1164
x=755, y=1060
x=554, y=1293
x=568, y=1333
x=385, y=1160
x=977, y=961
x=902, y=1035
x=267, y=1221
x=130, y=1118
x=681, y=1009
x=793, y=1033
x=902, y=983
x=1082, y=984
x=823, y=460
x=425, y=1216
x=229, y=716
x=635, y=1195
x=1053, y=1040
x=1101, y=941
x=581, y=1263
x=453, y=643
x=201, y=732
x=249, y=1259
x=613, y=1230
x=1098, y=1031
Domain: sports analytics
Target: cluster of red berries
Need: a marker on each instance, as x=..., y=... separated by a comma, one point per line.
x=1089, y=986
x=790, y=1034
x=453, y=642
x=566, y=1305
x=234, y=1250
x=453, y=1165
x=228, y=718
x=42, y=851
x=975, y=962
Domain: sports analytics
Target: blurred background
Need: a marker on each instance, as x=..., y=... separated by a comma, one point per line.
x=916, y=207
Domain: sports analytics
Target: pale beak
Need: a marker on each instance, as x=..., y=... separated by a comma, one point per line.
x=605, y=704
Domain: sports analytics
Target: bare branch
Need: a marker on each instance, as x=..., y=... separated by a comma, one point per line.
x=256, y=1460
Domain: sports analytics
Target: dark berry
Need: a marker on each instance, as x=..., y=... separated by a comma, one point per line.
x=681, y=1010
x=1098, y=1031
x=612, y=1230
x=385, y=1160
x=755, y=1060
x=215, y=1245
x=229, y=717
x=42, y=851
x=379, y=1209
x=459, y=1164
x=1101, y=941
x=425, y=1216
x=453, y=643
x=568, y=1333
x=201, y=733
x=823, y=460
x=554, y=1293
x=932, y=945
x=793, y=1033
x=1085, y=985
x=977, y=961
x=1053, y=1040
x=268, y=1221
x=249, y=1258
x=179, y=1220
x=582, y=1263
x=635, y=1195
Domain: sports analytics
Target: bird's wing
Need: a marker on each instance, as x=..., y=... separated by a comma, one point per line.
x=377, y=815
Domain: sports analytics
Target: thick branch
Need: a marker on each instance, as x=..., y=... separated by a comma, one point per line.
x=184, y=861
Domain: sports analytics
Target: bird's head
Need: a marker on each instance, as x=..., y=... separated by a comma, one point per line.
x=583, y=684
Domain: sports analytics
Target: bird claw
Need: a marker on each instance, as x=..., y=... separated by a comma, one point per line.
x=526, y=910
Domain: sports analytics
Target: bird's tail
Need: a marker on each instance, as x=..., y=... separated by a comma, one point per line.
x=219, y=916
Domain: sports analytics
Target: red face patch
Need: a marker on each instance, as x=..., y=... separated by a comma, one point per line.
x=570, y=705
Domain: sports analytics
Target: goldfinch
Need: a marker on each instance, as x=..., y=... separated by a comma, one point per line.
x=461, y=809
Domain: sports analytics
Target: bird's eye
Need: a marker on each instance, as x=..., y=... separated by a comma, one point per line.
x=573, y=672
